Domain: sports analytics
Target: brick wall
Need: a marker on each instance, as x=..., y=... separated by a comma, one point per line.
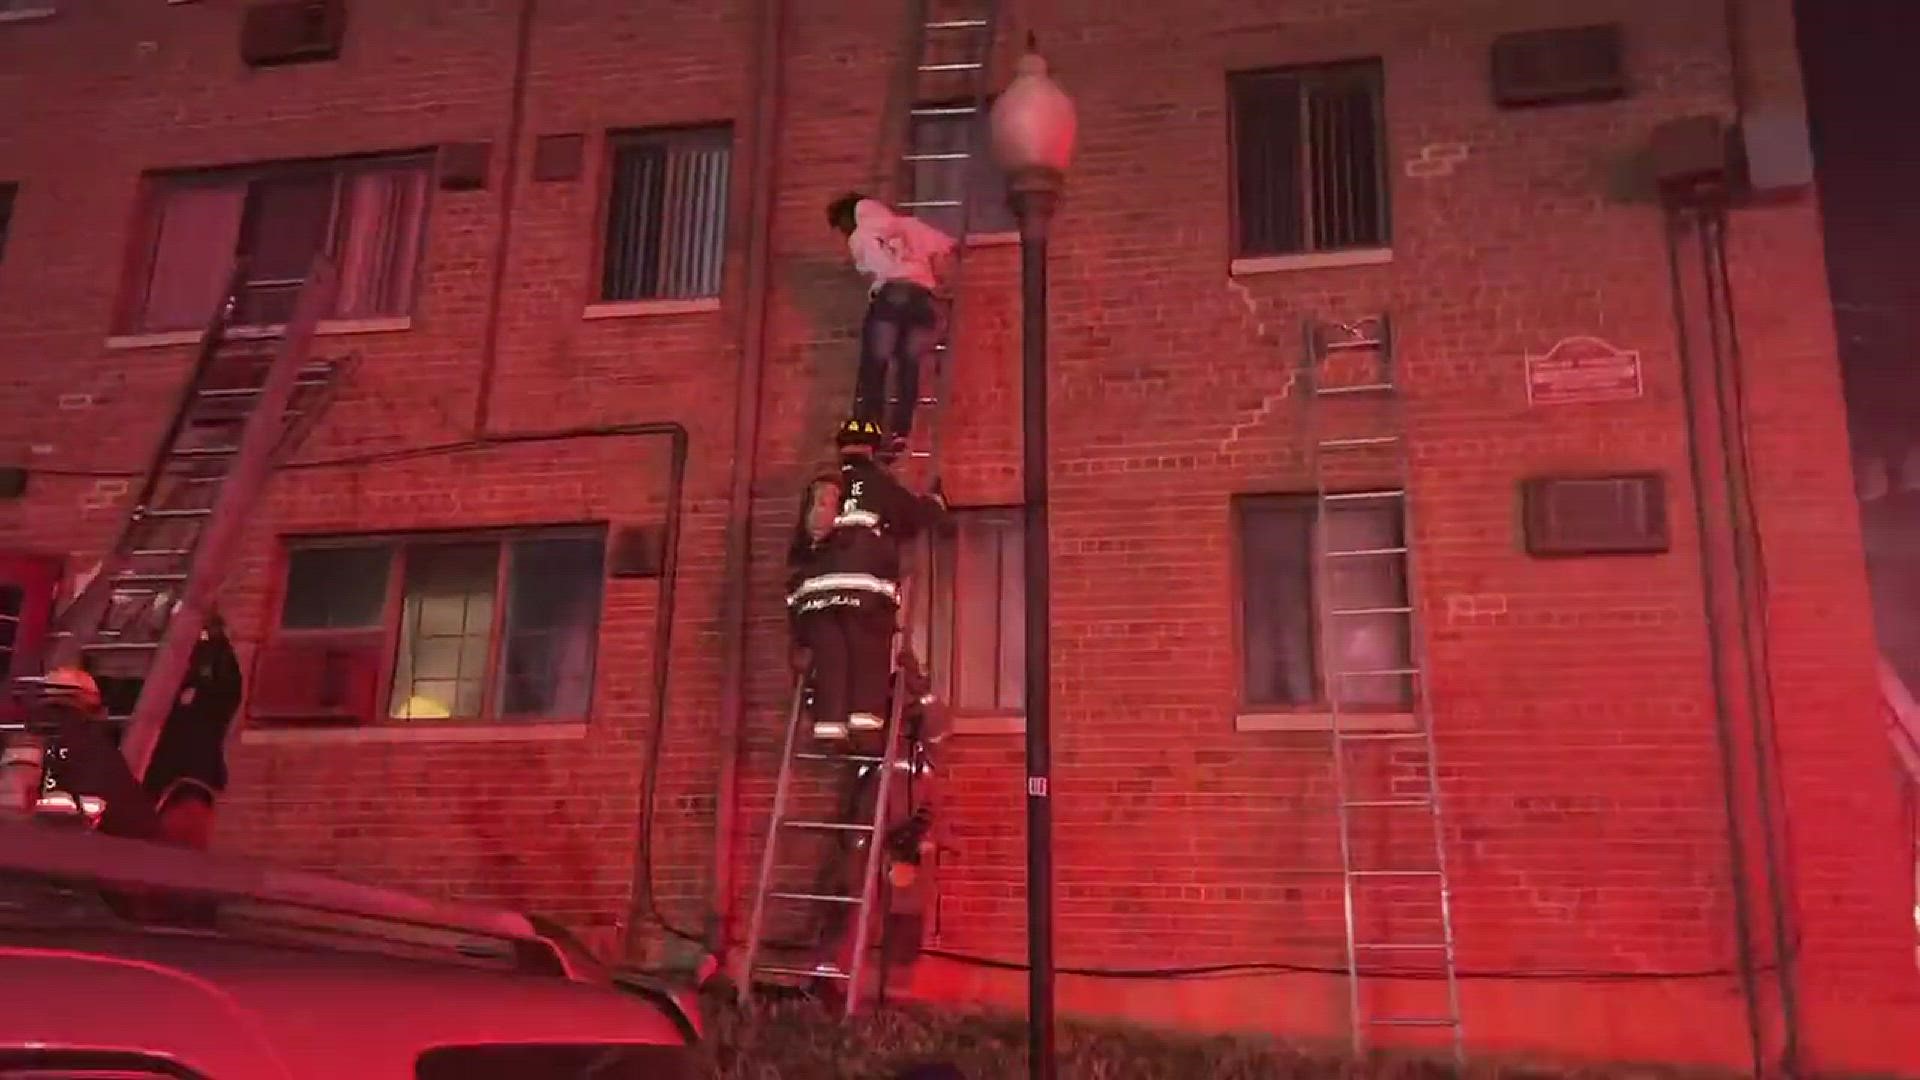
x=1581, y=770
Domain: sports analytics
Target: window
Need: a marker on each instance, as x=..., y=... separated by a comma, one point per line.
x=369, y=213
x=13, y=600
x=1309, y=148
x=1282, y=625
x=6, y=214
x=970, y=618
x=941, y=179
x=474, y=627
x=667, y=215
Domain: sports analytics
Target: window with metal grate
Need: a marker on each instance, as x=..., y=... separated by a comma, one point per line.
x=1309, y=152
x=666, y=216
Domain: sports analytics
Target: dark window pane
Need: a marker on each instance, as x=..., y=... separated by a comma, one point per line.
x=667, y=216
x=6, y=214
x=336, y=588
x=552, y=624
x=12, y=598
x=288, y=221
x=1309, y=160
x=1267, y=146
x=1277, y=605
x=446, y=624
x=977, y=178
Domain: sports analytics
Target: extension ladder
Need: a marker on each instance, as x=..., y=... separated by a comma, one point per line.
x=951, y=61
x=245, y=405
x=948, y=80
x=1396, y=899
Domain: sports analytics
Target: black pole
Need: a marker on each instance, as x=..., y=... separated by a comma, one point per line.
x=1033, y=200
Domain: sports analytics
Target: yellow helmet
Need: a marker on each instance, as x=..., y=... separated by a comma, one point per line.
x=860, y=433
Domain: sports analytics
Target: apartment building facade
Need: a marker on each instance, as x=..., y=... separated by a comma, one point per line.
x=488, y=609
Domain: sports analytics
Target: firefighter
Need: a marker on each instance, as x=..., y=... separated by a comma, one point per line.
x=846, y=603
x=904, y=260
x=88, y=765
x=189, y=767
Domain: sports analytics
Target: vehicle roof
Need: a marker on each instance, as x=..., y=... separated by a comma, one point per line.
x=75, y=854
x=235, y=1008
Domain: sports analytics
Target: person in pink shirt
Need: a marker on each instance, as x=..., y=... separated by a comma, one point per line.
x=904, y=259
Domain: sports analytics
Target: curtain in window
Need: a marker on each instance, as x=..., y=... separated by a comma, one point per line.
x=1367, y=642
x=446, y=626
x=633, y=222
x=693, y=234
x=196, y=232
x=1277, y=642
x=552, y=627
x=380, y=251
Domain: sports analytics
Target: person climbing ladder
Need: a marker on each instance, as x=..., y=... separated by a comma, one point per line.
x=905, y=260
x=846, y=585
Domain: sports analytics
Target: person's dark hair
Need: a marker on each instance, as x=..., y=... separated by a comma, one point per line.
x=840, y=211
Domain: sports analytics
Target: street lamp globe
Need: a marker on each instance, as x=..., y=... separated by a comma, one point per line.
x=1033, y=122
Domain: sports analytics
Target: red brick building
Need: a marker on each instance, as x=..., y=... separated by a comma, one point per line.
x=555, y=333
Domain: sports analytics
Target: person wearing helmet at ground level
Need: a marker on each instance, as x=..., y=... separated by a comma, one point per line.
x=845, y=605
x=69, y=710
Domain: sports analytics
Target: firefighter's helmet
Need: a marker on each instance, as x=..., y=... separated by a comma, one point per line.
x=73, y=687
x=860, y=433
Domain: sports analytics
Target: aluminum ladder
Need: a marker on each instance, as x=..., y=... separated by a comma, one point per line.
x=869, y=831
x=1395, y=895
x=952, y=59
x=246, y=404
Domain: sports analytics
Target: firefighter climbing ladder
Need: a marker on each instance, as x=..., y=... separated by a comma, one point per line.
x=1396, y=899
x=953, y=46
x=246, y=403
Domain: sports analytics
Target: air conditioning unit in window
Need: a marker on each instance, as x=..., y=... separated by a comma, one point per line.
x=333, y=678
x=292, y=31
x=1559, y=66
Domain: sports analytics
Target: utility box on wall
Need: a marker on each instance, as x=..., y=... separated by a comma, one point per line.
x=1594, y=515
x=292, y=31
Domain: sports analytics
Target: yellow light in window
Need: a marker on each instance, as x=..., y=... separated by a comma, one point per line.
x=424, y=708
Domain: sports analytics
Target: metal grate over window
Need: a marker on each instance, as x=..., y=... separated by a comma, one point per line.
x=667, y=215
x=1309, y=160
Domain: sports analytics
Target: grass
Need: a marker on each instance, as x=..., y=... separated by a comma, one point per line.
x=799, y=1039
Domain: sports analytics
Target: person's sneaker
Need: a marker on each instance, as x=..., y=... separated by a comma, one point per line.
x=865, y=721
x=830, y=731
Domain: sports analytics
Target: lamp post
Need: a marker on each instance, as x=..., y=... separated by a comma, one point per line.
x=1033, y=128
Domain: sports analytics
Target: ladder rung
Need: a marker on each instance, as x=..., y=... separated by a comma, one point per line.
x=1373, y=804
x=1361, y=553
x=1380, y=736
x=159, y=553
x=1377, y=673
x=119, y=646
x=919, y=453
x=958, y=155
x=828, y=826
x=847, y=759
x=1393, y=873
x=817, y=898
x=1356, y=388
x=1371, y=611
x=929, y=401
x=944, y=110
x=221, y=393
x=192, y=513
x=958, y=24
x=821, y=971
x=1410, y=946
x=1363, y=440
x=1345, y=344
x=1414, y=1021
x=929, y=204
x=149, y=579
x=205, y=451
x=1356, y=496
x=964, y=65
